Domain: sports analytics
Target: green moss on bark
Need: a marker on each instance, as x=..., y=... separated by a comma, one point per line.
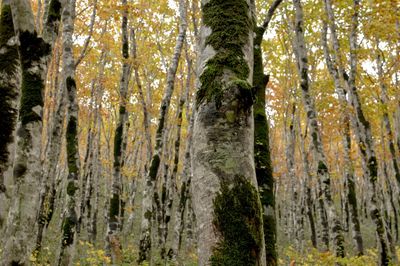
x=72, y=146
x=71, y=188
x=32, y=50
x=262, y=156
x=114, y=206
x=237, y=217
x=68, y=230
x=373, y=169
x=9, y=59
x=230, y=23
x=117, y=145
x=54, y=14
x=155, y=163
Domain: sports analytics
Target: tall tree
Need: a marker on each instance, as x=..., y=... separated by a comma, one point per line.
x=322, y=170
x=113, y=244
x=262, y=157
x=70, y=214
x=34, y=55
x=225, y=194
x=149, y=192
x=332, y=63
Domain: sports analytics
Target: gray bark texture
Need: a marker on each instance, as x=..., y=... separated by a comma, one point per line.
x=70, y=213
x=322, y=170
x=114, y=223
x=225, y=195
x=332, y=63
x=149, y=192
x=34, y=53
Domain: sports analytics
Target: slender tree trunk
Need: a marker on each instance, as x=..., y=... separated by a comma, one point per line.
x=145, y=239
x=262, y=157
x=366, y=146
x=71, y=213
x=308, y=192
x=322, y=171
x=225, y=194
x=351, y=196
x=114, y=223
x=172, y=188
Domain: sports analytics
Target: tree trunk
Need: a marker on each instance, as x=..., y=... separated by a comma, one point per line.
x=262, y=156
x=114, y=223
x=148, y=193
x=225, y=195
x=71, y=213
x=322, y=170
x=345, y=121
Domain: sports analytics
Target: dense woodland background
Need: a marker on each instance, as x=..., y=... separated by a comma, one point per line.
x=98, y=170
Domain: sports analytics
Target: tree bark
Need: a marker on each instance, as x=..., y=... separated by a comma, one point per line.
x=225, y=194
x=149, y=192
x=351, y=196
x=70, y=213
x=262, y=157
x=34, y=52
x=10, y=82
x=322, y=170
x=114, y=223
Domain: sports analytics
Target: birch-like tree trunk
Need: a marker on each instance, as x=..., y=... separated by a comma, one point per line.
x=10, y=82
x=332, y=63
x=114, y=223
x=148, y=193
x=366, y=146
x=322, y=170
x=224, y=185
x=307, y=190
x=70, y=213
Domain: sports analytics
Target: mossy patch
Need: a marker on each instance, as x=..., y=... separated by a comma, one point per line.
x=69, y=225
x=155, y=163
x=72, y=146
x=237, y=218
x=114, y=206
x=71, y=188
x=54, y=15
x=32, y=50
x=117, y=145
x=230, y=23
x=373, y=169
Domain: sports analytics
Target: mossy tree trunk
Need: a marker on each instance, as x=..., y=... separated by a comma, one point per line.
x=70, y=213
x=262, y=155
x=186, y=173
x=114, y=223
x=51, y=21
x=149, y=193
x=34, y=52
x=322, y=170
x=10, y=82
x=225, y=195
